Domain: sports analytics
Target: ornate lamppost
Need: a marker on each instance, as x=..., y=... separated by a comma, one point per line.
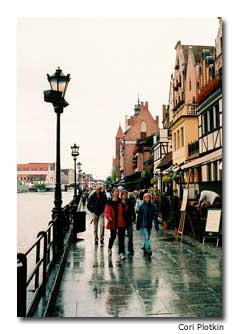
x=79, y=176
x=181, y=181
x=83, y=180
x=56, y=95
x=75, y=153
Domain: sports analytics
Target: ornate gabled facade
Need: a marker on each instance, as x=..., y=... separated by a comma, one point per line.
x=184, y=124
x=206, y=170
x=139, y=128
x=140, y=125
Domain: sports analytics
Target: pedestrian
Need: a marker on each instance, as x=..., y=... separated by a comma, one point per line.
x=164, y=210
x=115, y=223
x=84, y=198
x=96, y=205
x=129, y=217
x=108, y=194
x=144, y=222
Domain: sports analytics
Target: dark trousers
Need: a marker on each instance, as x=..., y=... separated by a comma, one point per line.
x=112, y=238
x=121, y=237
x=130, y=236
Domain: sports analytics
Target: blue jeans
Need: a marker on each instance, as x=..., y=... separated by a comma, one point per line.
x=145, y=232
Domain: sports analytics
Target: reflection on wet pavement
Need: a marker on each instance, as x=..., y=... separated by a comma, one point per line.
x=181, y=280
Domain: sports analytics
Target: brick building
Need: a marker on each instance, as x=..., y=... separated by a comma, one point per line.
x=138, y=128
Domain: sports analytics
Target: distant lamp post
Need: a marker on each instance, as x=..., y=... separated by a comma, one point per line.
x=58, y=83
x=181, y=181
x=79, y=176
x=171, y=174
x=83, y=180
x=75, y=153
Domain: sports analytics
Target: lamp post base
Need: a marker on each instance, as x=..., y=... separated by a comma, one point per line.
x=58, y=231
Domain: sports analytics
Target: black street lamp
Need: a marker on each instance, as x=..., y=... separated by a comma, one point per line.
x=83, y=180
x=58, y=83
x=75, y=153
x=181, y=181
x=79, y=176
x=171, y=174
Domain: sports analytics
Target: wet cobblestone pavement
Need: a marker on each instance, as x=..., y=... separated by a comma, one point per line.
x=181, y=280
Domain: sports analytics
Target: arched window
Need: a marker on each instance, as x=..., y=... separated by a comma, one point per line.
x=143, y=129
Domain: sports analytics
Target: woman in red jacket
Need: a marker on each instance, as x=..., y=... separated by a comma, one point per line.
x=115, y=221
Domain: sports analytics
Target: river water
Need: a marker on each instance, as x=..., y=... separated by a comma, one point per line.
x=34, y=214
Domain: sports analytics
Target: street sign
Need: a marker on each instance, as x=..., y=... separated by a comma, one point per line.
x=213, y=224
x=185, y=199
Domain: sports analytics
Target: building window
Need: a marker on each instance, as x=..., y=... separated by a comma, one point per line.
x=215, y=171
x=182, y=137
x=211, y=123
x=199, y=172
x=174, y=142
x=204, y=123
x=143, y=129
x=204, y=173
x=209, y=177
x=217, y=117
x=178, y=140
x=190, y=85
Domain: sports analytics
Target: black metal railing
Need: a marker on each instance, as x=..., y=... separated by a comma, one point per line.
x=31, y=286
x=193, y=148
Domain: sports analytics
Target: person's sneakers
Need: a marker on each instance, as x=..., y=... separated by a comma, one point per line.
x=96, y=242
x=102, y=242
x=109, y=252
x=121, y=256
x=148, y=254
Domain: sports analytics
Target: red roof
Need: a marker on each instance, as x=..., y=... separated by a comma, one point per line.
x=120, y=133
x=33, y=166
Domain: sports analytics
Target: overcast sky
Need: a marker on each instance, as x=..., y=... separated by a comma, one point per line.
x=110, y=61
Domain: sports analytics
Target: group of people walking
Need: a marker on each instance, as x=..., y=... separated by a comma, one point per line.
x=119, y=213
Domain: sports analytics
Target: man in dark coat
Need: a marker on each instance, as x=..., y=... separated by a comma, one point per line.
x=96, y=205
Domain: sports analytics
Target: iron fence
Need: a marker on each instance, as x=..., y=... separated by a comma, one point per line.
x=31, y=286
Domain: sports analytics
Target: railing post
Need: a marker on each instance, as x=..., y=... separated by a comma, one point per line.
x=48, y=243
x=37, y=260
x=44, y=265
x=21, y=285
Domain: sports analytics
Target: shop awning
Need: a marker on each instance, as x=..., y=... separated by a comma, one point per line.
x=167, y=160
x=203, y=160
x=172, y=168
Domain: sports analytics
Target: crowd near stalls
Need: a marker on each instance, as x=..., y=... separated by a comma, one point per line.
x=123, y=212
